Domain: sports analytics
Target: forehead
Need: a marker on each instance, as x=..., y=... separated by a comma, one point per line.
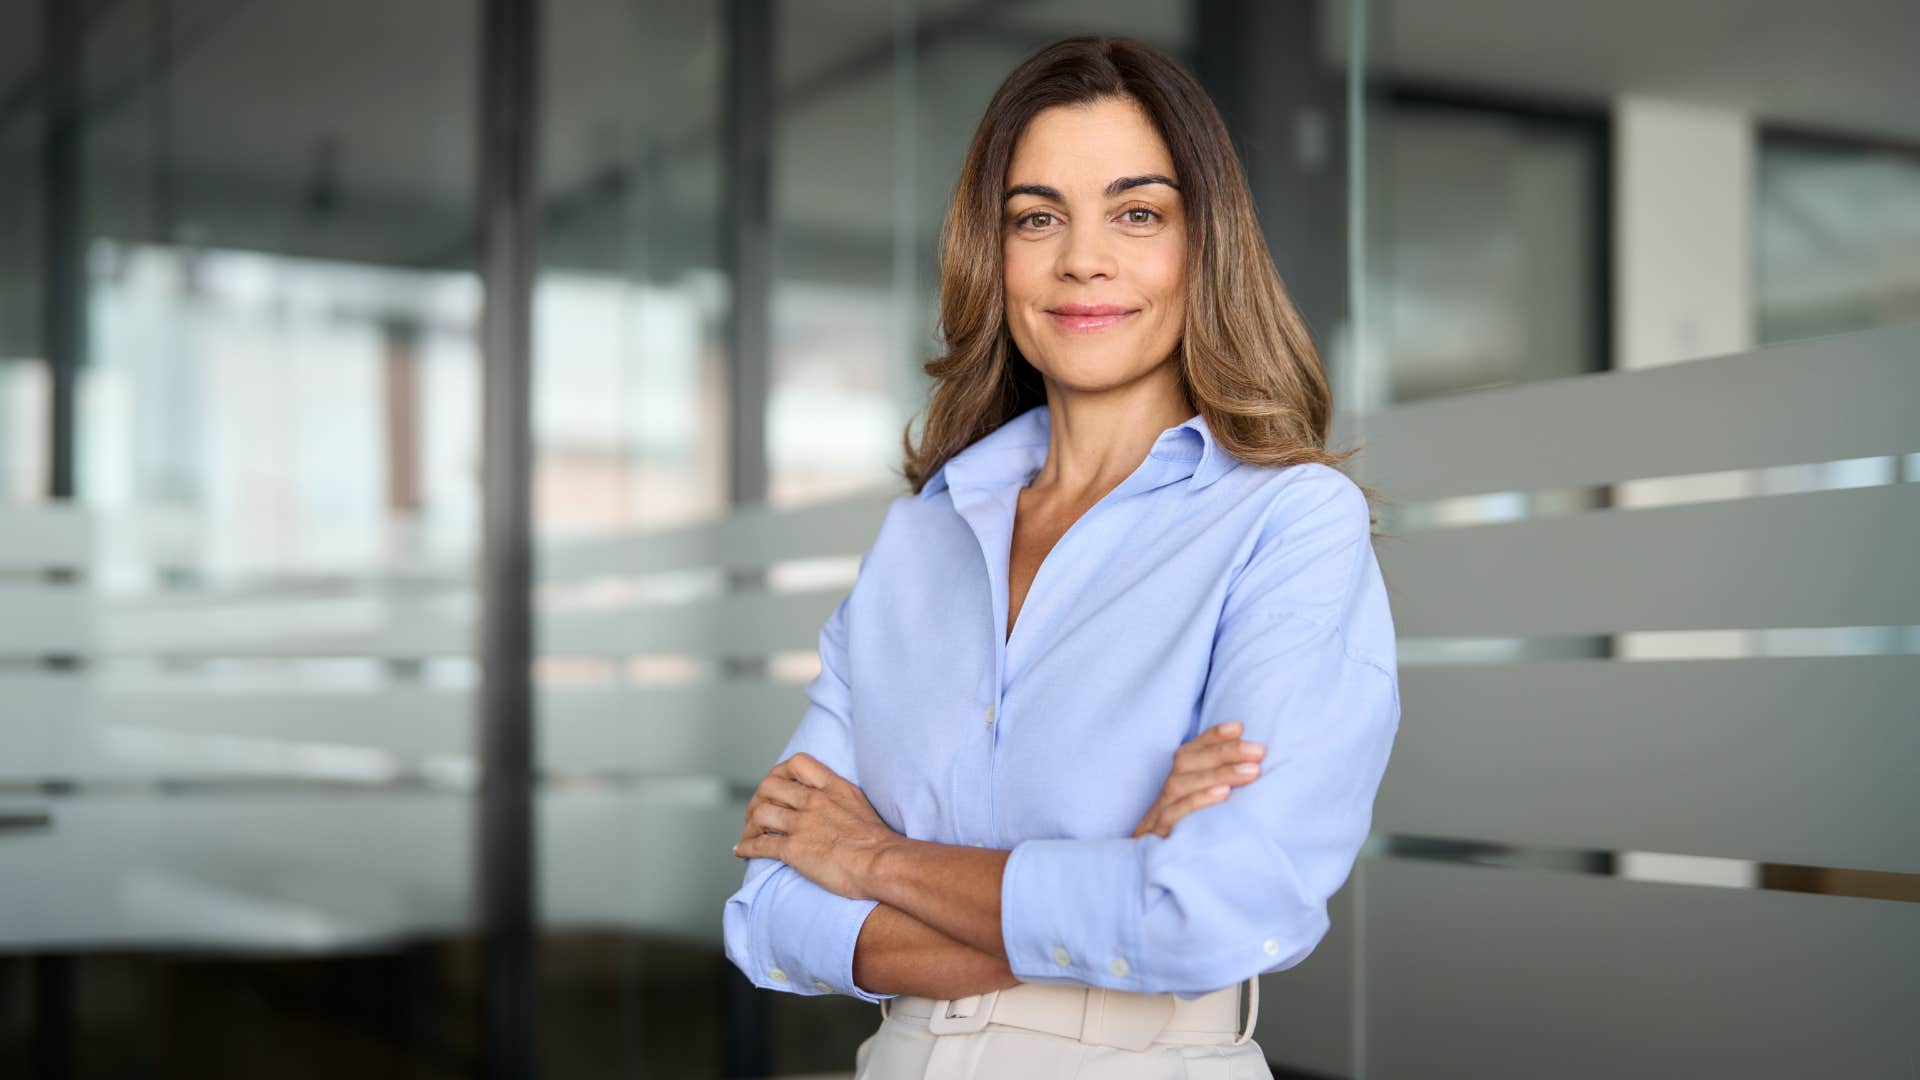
x=1087, y=145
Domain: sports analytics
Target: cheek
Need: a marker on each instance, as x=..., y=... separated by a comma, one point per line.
x=1023, y=273
x=1165, y=275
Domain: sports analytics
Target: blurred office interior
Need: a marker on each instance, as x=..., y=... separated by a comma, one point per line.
x=1622, y=300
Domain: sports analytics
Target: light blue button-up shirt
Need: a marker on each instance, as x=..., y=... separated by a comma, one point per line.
x=1200, y=590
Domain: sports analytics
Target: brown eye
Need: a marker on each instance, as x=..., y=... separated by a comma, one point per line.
x=1035, y=218
x=1146, y=216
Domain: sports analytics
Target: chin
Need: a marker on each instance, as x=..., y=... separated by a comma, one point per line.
x=1088, y=370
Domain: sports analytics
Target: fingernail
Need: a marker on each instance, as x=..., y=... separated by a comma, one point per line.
x=736, y=849
x=1253, y=748
x=1217, y=791
x=1246, y=768
x=1232, y=727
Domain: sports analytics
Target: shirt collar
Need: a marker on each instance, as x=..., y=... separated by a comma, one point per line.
x=1013, y=452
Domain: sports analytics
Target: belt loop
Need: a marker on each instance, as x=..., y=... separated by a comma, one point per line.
x=1129, y=1020
x=962, y=1016
x=1251, y=994
x=884, y=1014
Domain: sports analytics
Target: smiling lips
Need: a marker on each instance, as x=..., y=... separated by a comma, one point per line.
x=1089, y=318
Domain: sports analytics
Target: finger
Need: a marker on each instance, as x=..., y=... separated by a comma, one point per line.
x=808, y=770
x=752, y=829
x=1150, y=820
x=1183, y=807
x=748, y=828
x=1240, y=772
x=773, y=816
x=1223, y=753
x=1210, y=737
x=764, y=846
x=1210, y=769
x=785, y=792
x=1183, y=785
x=1221, y=732
x=1212, y=741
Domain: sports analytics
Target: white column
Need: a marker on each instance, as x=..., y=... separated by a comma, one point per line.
x=1683, y=194
x=1683, y=232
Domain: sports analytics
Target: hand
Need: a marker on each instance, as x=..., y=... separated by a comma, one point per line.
x=816, y=821
x=1205, y=769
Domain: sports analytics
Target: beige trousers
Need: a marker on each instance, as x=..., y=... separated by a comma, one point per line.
x=904, y=1048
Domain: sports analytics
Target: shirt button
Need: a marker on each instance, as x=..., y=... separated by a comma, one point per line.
x=1060, y=956
x=777, y=975
x=822, y=985
x=1272, y=947
x=989, y=714
x=1119, y=966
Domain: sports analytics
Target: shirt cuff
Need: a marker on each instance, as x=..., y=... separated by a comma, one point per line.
x=1065, y=909
x=813, y=954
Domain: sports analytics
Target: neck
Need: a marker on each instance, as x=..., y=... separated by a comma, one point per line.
x=1096, y=440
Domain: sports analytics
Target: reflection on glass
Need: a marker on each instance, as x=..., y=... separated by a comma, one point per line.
x=235, y=671
x=1484, y=261
x=1838, y=235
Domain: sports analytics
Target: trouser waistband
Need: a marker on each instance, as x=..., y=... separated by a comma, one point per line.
x=1091, y=1014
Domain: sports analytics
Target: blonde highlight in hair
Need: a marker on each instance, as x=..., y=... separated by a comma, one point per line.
x=1246, y=359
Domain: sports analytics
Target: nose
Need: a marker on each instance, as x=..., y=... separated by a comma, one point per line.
x=1086, y=254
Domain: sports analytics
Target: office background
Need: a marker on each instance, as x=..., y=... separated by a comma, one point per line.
x=1622, y=300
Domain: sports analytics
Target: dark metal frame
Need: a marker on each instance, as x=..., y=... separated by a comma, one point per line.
x=64, y=308
x=747, y=248
x=747, y=242
x=509, y=234
x=1259, y=63
x=63, y=170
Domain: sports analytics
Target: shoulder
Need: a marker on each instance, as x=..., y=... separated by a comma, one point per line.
x=903, y=524
x=1311, y=505
x=1309, y=547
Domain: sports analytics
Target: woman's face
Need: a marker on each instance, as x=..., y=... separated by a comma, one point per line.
x=1095, y=245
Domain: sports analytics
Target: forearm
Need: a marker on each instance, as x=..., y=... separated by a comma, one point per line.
x=898, y=954
x=952, y=889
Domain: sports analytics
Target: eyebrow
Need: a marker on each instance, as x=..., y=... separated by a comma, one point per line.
x=1125, y=183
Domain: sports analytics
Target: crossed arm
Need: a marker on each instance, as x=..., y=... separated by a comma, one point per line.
x=935, y=929
x=898, y=954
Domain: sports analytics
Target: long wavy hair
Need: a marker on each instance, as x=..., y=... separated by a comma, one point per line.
x=1246, y=359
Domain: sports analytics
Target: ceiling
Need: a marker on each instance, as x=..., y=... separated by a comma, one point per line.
x=348, y=127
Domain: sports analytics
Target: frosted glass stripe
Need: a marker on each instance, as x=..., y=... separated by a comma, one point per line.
x=293, y=871
x=1828, y=558
x=746, y=539
x=1507, y=972
x=1794, y=760
x=73, y=727
x=1824, y=399
x=45, y=537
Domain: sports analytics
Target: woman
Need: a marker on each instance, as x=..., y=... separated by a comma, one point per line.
x=1126, y=546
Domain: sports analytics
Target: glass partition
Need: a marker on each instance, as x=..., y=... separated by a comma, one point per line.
x=235, y=661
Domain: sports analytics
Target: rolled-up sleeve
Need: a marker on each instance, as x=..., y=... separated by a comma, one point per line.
x=1303, y=656
x=783, y=931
